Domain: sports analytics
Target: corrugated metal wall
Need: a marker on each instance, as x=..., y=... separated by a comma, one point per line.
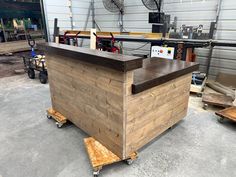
x=60, y=9
x=223, y=58
x=189, y=12
x=135, y=19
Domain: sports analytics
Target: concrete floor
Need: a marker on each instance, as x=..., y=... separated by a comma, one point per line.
x=32, y=146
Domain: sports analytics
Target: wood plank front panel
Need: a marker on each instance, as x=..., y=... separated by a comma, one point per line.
x=90, y=96
x=153, y=111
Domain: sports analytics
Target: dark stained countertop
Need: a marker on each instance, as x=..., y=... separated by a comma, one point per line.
x=156, y=71
x=111, y=60
x=148, y=73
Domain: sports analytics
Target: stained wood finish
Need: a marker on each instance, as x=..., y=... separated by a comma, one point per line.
x=158, y=71
x=111, y=60
x=16, y=46
x=217, y=99
x=91, y=97
x=228, y=113
x=153, y=111
x=99, y=100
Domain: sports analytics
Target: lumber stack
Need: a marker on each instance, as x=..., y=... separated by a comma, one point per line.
x=7, y=48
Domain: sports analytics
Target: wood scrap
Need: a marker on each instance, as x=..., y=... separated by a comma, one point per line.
x=6, y=54
x=19, y=71
x=234, y=103
x=227, y=79
x=7, y=48
x=228, y=113
x=221, y=88
x=217, y=100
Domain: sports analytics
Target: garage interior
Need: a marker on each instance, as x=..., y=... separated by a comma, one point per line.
x=117, y=88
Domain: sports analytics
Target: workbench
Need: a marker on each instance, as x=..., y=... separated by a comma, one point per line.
x=122, y=101
x=184, y=48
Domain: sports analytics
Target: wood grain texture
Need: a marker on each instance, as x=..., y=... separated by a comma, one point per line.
x=17, y=46
x=153, y=111
x=99, y=101
x=91, y=97
x=157, y=71
x=99, y=155
x=107, y=59
x=217, y=99
x=228, y=113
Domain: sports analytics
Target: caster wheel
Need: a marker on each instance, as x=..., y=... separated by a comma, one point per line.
x=49, y=117
x=220, y=119
x=205, y=106
x=59, y=125
x=199, y=95
x=129, y=161
x=96, y=173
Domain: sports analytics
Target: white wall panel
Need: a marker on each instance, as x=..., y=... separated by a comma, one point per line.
x=60, y=9
x=189, y=12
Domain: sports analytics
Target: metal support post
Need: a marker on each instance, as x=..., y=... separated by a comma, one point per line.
x=44, y=21
x=3, y=29
x=71, y=15
x=93, y=14
x=213, y=37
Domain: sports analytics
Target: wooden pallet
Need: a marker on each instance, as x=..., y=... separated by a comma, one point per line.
x=58, y=117
x=228, y=113
x=100, y=156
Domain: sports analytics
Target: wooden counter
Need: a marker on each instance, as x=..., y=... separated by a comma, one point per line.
x=122, y=101
x=117, y=62
x=158, y=71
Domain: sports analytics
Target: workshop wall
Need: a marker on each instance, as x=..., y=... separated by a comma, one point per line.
x=61, y=10
x=223, y=59
x=189, y=12
x=135, y=19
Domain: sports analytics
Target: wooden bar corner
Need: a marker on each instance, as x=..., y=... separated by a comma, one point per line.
x=122, y=101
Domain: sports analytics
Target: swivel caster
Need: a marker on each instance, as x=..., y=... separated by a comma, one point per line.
x=205, y=106
x=199, y=94
x=129, y=161
x=59, y=125
x=49, y=117
x=220, y=119
x=96, y=173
